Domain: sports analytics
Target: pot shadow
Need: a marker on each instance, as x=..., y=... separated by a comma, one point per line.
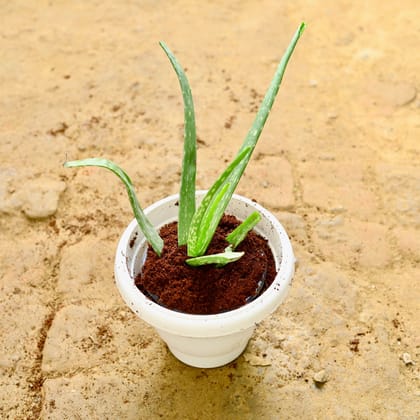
x=180, y=391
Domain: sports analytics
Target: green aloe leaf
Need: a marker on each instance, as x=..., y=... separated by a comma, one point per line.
x=267, y=103
x=187, y=190
x=240, y=232
x=220, y=259
x=199, y=236
x=146, y=226
x=211, y=210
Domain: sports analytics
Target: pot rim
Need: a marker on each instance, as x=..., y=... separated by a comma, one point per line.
x=206, y=325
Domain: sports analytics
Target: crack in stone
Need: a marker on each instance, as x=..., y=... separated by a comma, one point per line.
x=36, y=379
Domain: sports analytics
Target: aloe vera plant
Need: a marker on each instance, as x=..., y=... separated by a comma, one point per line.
x=196, y=227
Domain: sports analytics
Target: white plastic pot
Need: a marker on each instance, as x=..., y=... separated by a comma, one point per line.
x=204, y=341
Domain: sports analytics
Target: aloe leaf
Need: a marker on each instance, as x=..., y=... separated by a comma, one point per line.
x=260, y=119
x=232, y=177
x=267, y=103
x=220, y=259
x=212, y=217
x=187, y=190
x=146, y=226
x=209, y=213
x=240, y=232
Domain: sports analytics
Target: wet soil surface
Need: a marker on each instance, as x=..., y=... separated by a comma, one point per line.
x=171, y=282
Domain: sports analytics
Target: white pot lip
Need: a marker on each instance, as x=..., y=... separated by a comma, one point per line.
x=215, y=325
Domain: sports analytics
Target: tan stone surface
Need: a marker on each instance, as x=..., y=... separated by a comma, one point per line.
x=271, y=181
x=337, y=163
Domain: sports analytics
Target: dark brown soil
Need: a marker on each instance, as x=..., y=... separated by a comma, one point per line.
x=169, y=281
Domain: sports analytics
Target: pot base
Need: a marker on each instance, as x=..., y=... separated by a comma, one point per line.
x=208, y=362
x=207, y=352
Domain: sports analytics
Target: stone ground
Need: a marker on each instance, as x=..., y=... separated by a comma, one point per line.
x=338, y=163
